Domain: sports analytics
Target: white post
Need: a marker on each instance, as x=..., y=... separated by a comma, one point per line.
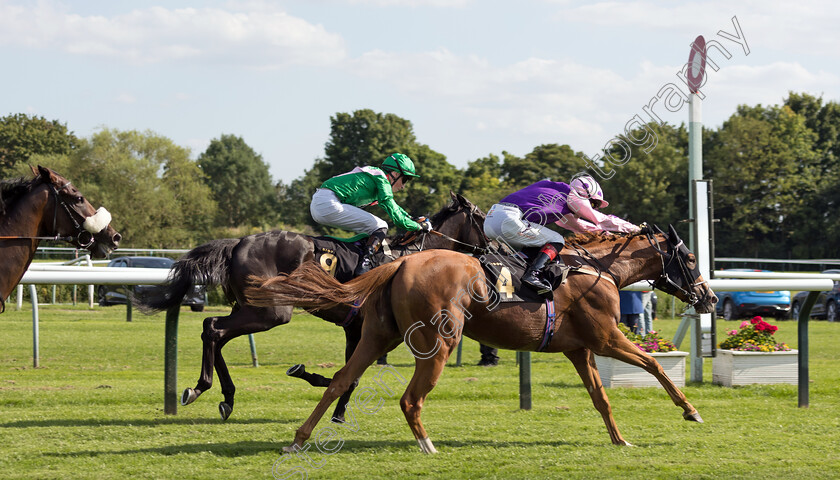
x=36, y=355
x=90, y=287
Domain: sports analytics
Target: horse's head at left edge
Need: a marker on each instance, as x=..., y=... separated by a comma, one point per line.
x=74, y=217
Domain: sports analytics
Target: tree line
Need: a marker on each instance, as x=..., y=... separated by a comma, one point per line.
x=774, y=171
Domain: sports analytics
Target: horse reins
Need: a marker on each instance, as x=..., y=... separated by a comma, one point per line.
x=474, y=249
x=598, y=266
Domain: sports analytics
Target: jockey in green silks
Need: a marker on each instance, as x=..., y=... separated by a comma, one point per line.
x=337, y=203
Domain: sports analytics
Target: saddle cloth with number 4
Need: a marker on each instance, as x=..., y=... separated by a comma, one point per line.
x=504, y=272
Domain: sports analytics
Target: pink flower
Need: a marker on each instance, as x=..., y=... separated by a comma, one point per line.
x=744, y=324
x=732, y=332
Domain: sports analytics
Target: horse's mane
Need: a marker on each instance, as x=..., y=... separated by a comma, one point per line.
x=12, y=190
x=584, y=238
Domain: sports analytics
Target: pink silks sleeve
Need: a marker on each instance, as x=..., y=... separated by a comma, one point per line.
x=587, y=219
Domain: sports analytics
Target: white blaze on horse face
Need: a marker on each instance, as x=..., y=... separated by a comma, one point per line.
x=98, y=221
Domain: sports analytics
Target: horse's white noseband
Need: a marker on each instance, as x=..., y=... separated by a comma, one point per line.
x=98, y=221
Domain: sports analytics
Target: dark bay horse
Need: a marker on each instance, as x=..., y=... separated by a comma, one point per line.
x=230, y=262
x=409, y=301
x=46, y=207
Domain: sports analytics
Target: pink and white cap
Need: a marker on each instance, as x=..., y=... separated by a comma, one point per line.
x=586, y=187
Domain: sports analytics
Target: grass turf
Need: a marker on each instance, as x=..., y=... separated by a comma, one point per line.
x=94, y=409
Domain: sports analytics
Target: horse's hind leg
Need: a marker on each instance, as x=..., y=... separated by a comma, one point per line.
x=370, y=348
x=426, y=374
x=584, y=363
x=628, y=352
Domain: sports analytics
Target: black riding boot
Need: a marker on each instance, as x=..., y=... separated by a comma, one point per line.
x=366, y=262
x=531, y=277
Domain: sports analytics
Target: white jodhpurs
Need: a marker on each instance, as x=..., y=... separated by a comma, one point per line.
x=504, y=223
x=327, y=209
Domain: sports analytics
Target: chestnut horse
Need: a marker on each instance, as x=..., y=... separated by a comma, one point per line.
x=47, y=207
x=230, y=262
x=430, y=298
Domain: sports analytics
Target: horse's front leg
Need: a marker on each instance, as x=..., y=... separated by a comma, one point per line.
x=584, y=363
x=628, y=352
x=352, y=337
x=244, y=321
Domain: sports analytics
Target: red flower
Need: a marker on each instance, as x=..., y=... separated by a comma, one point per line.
x=755, y=320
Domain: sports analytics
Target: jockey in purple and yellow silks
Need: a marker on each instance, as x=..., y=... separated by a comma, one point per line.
x=520, y=218
x=338, y=200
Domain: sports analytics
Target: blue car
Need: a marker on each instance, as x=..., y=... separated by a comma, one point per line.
x=734, y=305
x=827, y=303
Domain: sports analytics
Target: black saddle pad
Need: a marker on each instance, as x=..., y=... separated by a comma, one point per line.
x=504, y=272
x=338, y=258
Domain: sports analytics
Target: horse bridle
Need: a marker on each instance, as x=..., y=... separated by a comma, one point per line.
x=664, y=282
x=474, y=249
x=82, y=236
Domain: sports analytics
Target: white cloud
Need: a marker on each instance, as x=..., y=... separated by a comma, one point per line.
x=126, y=98
x=776, y=24
x=256, y=35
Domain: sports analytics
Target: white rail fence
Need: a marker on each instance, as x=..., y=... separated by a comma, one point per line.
x=74, y=275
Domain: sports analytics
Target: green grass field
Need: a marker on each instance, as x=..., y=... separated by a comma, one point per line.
x=94, y=409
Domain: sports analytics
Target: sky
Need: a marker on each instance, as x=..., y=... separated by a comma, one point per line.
x=474, y=77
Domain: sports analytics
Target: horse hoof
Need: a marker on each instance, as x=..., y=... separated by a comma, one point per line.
x=426, y=445
x=290, y=449
x=188, y=397
x=338, y=419
x=295, y=370
x=693, y=417
x=225, y=410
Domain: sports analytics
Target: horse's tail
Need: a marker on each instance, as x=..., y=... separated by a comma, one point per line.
x=207, y=264
x=309, y=286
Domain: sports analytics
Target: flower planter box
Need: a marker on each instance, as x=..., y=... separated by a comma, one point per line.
x=734, y=367
x=615, y=373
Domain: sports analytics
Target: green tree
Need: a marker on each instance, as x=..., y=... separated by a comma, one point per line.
x=481, y=181
x=362, y=138
x=240, y=183
x=367, y=138
x=553, y=161
x=151, y=187
x=820, y=206
x=652, y=186
x=22, y=136
x=762, y=161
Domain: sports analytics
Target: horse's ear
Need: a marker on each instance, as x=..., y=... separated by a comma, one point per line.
x=672, y=235
x=454, y=196
x=45, y=173
x=463, y=200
